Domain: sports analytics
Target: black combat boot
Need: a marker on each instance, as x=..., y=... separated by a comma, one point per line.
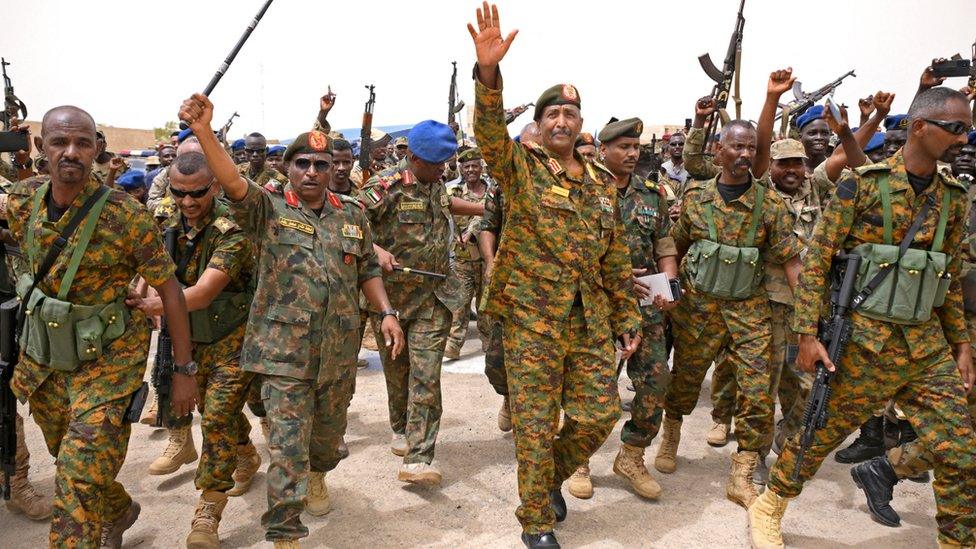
x=546, y=540
x=558, y=504
x=877, y=478
x=869, y=443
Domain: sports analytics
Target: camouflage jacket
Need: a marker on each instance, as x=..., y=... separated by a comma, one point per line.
x=562, y=240
x=468, y=224
x=644, y=212
x=699, y=165
x=493, y=219
x=228, y=250
x=268, y=175
x=804, y=207
x=158, y=190
x=304, y=320
x=774, y=238
x=126, y=243
x=853, y=217
x=412, y=221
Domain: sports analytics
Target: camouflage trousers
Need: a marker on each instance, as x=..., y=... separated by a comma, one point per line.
x=648, y=371
x=495, y=356
x=89, y=446
x=307, y=423
x=574, y=372
x=413, y=381
x=22, y=463
x=700, y=338
x=469, y=275
x=930, y=392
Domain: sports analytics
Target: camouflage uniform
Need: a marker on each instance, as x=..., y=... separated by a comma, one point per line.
x=644, y=212
x=82, y=412
x=469, y=267
x=911, y=363
x=411, y=220
x=492, y=221
x=158, y=190
x=562, y=284
x=222, y=383
x=705, y=325
x=302, y=335
x=267, y=175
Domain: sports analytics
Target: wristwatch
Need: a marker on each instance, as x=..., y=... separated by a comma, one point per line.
x=389, y=312
x=188, y=369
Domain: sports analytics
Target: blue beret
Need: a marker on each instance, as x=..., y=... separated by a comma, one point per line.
x=896, y=122
x=876, y=142
x=276, y=149
x=183, y=135
x=813, y=113
x=132, y=179
x=237, y=145
x=972, y=137
x=432, y=141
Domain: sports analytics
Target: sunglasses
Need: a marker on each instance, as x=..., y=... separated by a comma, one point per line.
x=198, y=193
x=255, y=151
x=304, y=164
x=955, y=128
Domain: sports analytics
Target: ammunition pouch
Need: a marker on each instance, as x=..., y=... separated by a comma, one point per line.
x=227, y=312
x=727, y=272
x=918, y=283
x=62, y=335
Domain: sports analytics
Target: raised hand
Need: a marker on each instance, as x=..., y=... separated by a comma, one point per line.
x=488, y=43
x=928, y=78
x=866, y=106
x=780, y=82
x=882, y=102
x=327, y=101
x=197, y=112
x=835, y=125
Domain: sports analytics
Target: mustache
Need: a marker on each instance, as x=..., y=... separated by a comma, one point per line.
x=557, y=131
x=66, y=163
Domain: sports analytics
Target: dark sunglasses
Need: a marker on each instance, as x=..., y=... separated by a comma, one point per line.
x=304, y=163
x=255, y=151
x=955, y=128
x=198, y=193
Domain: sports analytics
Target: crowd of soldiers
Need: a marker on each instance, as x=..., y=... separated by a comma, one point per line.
x=262, y=267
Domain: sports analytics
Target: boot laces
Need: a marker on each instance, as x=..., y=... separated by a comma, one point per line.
x=206, y=516
x=177, y=440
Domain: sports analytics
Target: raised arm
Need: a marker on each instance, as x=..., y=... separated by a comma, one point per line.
x=779, y=82
x=197, y=111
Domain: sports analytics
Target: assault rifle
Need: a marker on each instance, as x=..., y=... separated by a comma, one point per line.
x=365, y=136
x=225, y=129
x=11, y=104
x=162, y=373
x=834, y=333
x=9, y=355
x=723, y=78
x=803, y=101
x=453, y=105
x=511, y=115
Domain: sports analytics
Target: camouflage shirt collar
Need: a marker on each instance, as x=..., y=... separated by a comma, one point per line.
x=747, y=198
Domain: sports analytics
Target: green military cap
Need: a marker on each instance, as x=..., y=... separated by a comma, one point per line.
x=308, y=142
x=400, y=141
x=787, y=148
x=560, y=94
x=469, y=154
x=632, y=127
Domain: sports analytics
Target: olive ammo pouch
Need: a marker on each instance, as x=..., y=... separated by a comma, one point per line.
x=57, y=333
x=919, y=280
x=723, y=271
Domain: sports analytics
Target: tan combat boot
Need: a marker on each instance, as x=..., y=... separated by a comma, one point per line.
x=149, y=418
x=398, y=444
x=248, y=462
x=740, y=488
x=505, y=416
x=579, y=483
x=630, y=465
x=206, y=521
x=112, y=530
x=424, y=474
x=718, y=435
x=667, y=453
x=23, y=498
x=765, y=515
x=317, y=503
x=452, y=351
x=179, y=452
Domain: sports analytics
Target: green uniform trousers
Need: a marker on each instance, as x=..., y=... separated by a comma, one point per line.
x=648, y=370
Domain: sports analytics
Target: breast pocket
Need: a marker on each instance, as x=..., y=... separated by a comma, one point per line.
x=352, y=252
x=413, y=226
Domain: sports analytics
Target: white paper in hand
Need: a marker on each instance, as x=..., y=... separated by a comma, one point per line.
x=658, y=283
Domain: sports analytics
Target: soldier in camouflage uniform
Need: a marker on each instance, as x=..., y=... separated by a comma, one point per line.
x=410, y=213
x=925, y=365
x=561, y=283
x=644, y=212
x=467, y=258
x=79, y=395
x=315, y=255
x=215, y=264
x=724, y=222
x=257, y=168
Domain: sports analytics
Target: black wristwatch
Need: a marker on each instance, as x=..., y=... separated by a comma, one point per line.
x=389, y=312
x=188, y=369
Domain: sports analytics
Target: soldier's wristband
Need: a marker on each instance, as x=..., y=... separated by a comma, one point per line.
x=389, y=312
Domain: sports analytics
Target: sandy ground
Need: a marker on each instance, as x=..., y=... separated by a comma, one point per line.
x=475, y=506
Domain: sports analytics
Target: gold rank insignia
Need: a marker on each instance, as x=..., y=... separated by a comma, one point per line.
x=592, y=172
x=561, y=191
x=352, y=231
x=554, y=166
x=297, y=225
x=445, y=200
x=408, y=205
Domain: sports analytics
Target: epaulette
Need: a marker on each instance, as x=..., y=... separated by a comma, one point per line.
x=695, y=185
x=654, y=186
x=951, y=181
x=601, y=167
x=876, y=167
x=224, y=225
x=351, y=200
x=389, y=180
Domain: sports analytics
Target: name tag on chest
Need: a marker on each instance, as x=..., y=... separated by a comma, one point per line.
x=297, y=225
x=559, y=191
x=412, y=205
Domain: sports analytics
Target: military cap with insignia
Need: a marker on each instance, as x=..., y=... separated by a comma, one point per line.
x=813, y=113
x=471, y=153
x=560, y=94
x=237, y=145
x=615, y=129
x=309, y=142
x=876, y=142
x=896, y=122
x=787, y=148
x=276, y=150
